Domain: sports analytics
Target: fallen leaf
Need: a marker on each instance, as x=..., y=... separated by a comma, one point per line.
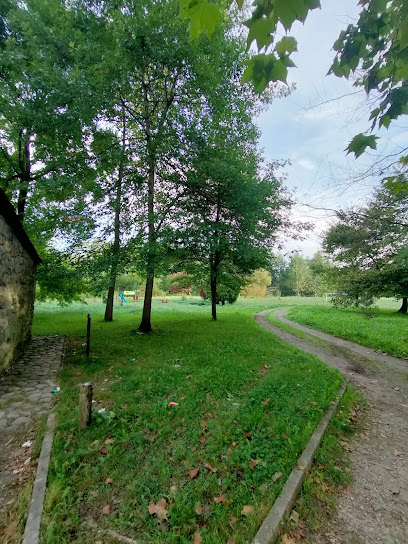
x=325, y=487
x=276, y=477
x=248, y=435
x=253, y=463
x=202, y=438
x=104, y=451
x=108, y=481
x=346, y=446
x=234, y=444
x=233, y=520
x=106, y=510
x=197, y=538
x=294, y=516
x=301, y=465
x=204, y=510
x=219, y=499
x=210, y=467
x=288, y=540
x=265, y=402
x=94, y=493
x=109, y=441
x=159, y=509
x=246, y=510
x=193, y=473
x=230, y=541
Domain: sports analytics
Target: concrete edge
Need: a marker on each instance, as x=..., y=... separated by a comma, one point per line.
x=272, y=524
x=32, y=528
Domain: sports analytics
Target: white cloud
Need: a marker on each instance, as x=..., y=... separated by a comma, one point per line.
x=307, y=164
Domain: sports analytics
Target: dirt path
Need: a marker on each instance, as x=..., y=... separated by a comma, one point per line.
x=25, y=394
x=375, y=509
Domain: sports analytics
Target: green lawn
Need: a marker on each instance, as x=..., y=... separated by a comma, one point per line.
x=387, y=330
x=248, y=404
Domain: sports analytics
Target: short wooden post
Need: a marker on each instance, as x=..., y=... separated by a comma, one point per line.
x=88, y=335
x=85, y=405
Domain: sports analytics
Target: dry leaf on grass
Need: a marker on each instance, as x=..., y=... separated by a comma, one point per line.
x=210, y=467
x=193, y=473
x=219, y=499
x=104, y=451
x=108, y=481
x=109, y=441
x=204, y=509
x=159, y=509
x=288, y=540
x=230, y=541
x=233, y=520
x=248, y=435
x=324, y=487
x=294, y=516
x=202, y=438
x=246, y=510
x=197, y=538
x=265, y=402
x=253, y=463
x=276, y=477
x=106, y=510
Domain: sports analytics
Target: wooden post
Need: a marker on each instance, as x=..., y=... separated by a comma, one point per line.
x=88, y=336
x=85, y=405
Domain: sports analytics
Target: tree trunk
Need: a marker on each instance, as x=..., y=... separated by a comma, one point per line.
x=109, y=304
x=116, y=240
x=146, y=323
x=404, y=307
x=25, y=173
x=214, y=297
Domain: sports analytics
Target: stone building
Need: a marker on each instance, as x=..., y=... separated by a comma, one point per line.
x=18, y=263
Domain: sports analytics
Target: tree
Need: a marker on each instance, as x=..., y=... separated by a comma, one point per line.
x=369, y=245
x=300, y=276
x=257, y=284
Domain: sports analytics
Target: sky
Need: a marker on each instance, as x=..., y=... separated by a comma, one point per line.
x=313, y=126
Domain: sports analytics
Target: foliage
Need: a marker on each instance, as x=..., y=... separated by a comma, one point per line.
x=59, y=278
x=375, y=50
x=257, y=283
x=156, y=446
x=369, y=246
x=263, y=25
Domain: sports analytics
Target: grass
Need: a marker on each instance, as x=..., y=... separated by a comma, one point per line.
x=243, y=395
x=386, y=331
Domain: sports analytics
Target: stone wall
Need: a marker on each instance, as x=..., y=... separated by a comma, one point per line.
x=17, y=293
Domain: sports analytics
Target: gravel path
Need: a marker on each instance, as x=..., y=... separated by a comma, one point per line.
x=25, y=394
x=375, y=509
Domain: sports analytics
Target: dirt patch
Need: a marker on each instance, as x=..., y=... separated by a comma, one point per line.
x=374, y=510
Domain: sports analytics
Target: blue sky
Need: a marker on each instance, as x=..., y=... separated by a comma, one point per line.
x=313, y=137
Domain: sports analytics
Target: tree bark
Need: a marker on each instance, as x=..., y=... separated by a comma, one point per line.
x=25, y=172
x=214, y=297
x=404, y=307
x=116, y=240
x=146, y=323
x=214, y=266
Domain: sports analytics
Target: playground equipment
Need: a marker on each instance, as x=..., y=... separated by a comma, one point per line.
x=122, y=297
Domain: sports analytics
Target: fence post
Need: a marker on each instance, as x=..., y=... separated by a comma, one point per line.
x=85, y=405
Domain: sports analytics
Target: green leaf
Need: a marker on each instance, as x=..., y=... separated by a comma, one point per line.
x=260, y=30
x=360, y=143
x=385, y=121
x=288, y=44
x=204, y=17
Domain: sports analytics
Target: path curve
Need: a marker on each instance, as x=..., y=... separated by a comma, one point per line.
x=375, y=508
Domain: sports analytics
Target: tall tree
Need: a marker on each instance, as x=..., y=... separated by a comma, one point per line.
x=369, y=245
